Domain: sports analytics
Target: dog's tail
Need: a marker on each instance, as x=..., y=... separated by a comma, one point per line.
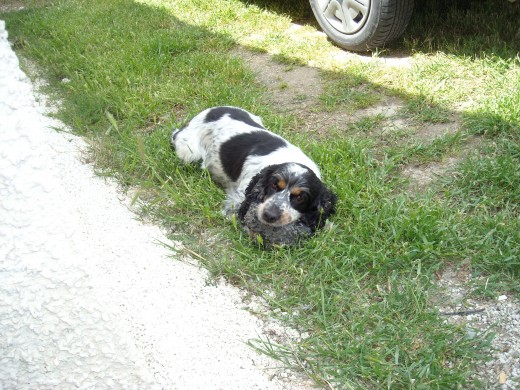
x=185, y=143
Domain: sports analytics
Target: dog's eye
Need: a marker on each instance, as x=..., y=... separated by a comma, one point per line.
x=299, y=198
x=274, y=187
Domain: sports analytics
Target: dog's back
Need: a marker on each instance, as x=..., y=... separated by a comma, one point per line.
x=202, y=137
x=234, y=146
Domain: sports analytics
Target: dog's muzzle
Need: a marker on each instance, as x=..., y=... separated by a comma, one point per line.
x=271, y=214
x=277, y=210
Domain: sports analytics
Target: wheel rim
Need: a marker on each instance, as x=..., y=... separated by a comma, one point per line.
x=346, y=16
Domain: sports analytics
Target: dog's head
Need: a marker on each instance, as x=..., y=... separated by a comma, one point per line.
x=288, y=193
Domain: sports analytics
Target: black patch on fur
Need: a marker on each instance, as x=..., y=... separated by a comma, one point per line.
x=235, y=113
x=233, y=152
x=255, y=190
x=323, y=206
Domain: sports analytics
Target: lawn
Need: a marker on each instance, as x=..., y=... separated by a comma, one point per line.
x=420, y=141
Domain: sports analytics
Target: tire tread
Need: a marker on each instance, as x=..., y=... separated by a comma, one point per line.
x=391, y=21
x=395, y=15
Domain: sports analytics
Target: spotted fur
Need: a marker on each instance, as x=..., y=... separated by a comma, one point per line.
x=256, y=167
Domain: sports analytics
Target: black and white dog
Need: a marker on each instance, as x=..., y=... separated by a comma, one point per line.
x=274, y=188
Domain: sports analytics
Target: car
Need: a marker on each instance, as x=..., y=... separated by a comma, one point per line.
x=362, y=25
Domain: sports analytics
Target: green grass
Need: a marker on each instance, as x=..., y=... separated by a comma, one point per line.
x=362, y=289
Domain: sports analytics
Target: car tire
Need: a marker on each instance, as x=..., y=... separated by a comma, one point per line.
x=362, y=25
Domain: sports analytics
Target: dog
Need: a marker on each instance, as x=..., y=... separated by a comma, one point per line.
x=271, y=185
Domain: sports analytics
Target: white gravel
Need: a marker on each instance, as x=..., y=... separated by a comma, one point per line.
x=500, y=316
x=88, y=299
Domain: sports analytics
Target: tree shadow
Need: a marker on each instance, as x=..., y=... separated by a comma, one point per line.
x=467, y=28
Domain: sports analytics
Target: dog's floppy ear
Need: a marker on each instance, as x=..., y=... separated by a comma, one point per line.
x=254, y=194
x=255, y=189
x=324, y=206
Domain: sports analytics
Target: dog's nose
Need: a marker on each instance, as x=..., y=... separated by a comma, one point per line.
x=271, y=214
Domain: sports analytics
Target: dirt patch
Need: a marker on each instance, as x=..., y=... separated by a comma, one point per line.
x=290, y=88
x=17, y=5
x=421, y=176
x=296, y=90
x=429, y=131
x=387, y=107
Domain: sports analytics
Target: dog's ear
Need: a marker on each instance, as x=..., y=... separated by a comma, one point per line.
x=254, y=194
x=324, y=206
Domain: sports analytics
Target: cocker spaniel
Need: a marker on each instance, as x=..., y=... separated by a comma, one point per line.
x=272, y=186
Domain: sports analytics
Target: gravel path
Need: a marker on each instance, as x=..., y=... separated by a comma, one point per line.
x=88, y=299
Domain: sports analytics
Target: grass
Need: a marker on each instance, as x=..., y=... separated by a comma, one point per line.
x=362, y=289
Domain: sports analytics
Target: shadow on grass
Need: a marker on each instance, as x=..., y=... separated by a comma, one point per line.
x=470, y=28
